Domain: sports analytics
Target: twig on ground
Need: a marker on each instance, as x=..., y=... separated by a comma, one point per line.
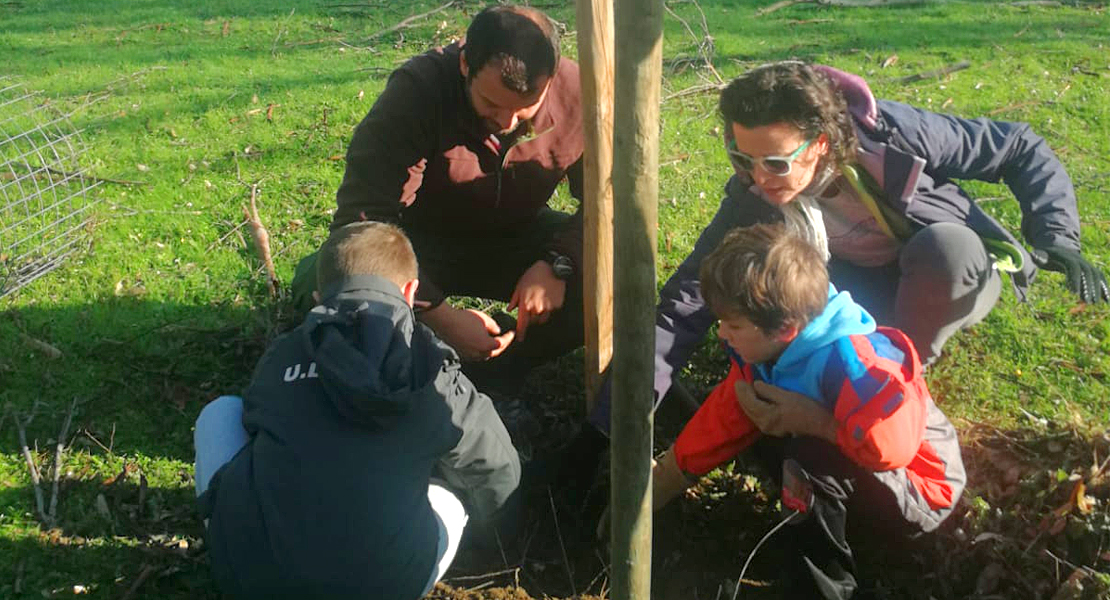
x=48, y=349
x=281, y=30
x=36, y=479
x=1012, y=107
x=407, y=22
x=59, y=451
x=143, y=576
x=935, y=73
x=17, y=587
x=562, y=547
x=693, y=91
x=261, y=240
x=781, y=5
x=513, y=570
x=95, y=178
x=704, y=43
x=89, y=435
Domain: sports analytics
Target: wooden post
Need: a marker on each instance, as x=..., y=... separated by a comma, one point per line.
x=639, y=56
x=595, y=60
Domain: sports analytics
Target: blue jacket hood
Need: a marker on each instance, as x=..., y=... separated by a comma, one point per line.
x=800, y=367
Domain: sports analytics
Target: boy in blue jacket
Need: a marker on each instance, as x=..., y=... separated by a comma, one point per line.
x=318, y=483
x=814, y=383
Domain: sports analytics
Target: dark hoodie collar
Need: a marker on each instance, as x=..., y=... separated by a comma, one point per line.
x=362, y=287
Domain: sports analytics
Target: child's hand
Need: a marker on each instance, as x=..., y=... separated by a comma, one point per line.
x=780, y=412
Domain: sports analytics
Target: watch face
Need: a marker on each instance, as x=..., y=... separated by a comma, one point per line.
x=562, y=266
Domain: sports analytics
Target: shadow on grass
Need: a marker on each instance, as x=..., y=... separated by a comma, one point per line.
x=140, y=370
x=143, y=542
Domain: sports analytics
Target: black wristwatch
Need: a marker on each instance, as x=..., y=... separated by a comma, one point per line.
x=562, y=265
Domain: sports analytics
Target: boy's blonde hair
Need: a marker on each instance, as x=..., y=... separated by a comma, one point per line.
x=767, y=275
x=366, y=248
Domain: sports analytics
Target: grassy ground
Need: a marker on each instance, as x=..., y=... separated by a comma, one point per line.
x=168, y=307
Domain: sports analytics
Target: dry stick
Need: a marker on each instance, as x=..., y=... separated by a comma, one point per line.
x=700, y=42
x=562, y=548
x=47, y=349
x=273, y=47
x=95, y=178
x=1011, y=107
x=694, y=90
x=261, y=239
x=482, y=576
x=18, y=586
x=143, y=576
x=409, y=21
x=59, y=450
x=36, y=479
x=935, y=73
x=781, y=5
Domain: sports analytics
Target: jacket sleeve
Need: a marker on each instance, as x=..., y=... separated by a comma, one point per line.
x=993, y=151
x=483, y=465
x=386, y=160
x=881, y=404
x=718, y=431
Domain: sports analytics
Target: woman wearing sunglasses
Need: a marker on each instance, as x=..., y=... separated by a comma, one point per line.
x=871, y=183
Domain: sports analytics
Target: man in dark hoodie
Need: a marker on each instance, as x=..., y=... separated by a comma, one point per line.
x=320, y=481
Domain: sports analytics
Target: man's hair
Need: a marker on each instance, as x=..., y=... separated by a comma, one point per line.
x=365, y=248
x=791, y=92
x=522, y=39
x=767, y=275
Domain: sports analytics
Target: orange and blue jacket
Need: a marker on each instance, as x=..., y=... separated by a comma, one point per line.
x=870, y=379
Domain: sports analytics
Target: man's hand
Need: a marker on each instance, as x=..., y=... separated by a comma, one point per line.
x=1084, y=279
x=779, y=412
x=472, y=333
x=538, y=293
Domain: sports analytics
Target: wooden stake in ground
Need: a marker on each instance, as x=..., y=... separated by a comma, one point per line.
x=262, y=240
x=595, y=52
x=638, y=75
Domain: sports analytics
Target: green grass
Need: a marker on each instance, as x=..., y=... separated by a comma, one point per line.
x=168, y=308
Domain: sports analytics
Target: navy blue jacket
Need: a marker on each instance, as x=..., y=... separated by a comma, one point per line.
x=350, y=415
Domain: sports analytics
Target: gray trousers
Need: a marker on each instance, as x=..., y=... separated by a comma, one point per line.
x=943, y=281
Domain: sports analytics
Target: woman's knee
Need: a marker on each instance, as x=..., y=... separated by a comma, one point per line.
x=945, y=251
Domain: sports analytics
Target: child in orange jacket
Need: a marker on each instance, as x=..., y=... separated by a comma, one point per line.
x=843, y=399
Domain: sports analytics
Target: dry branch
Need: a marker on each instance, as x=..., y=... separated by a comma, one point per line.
x=562, y=547
x=935, y=73
x=407, y=22
x=59, y=451
x=261, y=240
x=95, y=178
x=36, y=479
x=694, y=90
x=842, y=3
x=143, y=576
x=41, y=346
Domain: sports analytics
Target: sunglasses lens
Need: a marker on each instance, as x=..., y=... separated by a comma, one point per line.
x=743, y=161
x=776, y=166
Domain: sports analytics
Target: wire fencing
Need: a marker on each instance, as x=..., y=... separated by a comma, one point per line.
x=44, y=192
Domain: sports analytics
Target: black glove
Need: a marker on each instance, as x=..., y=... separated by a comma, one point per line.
x=1084, y=279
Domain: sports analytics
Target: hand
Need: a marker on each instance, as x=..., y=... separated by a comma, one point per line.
x=779, y=412
x=538, y=293
x=1084, y=279
x=667, y=479
x=472, y=333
